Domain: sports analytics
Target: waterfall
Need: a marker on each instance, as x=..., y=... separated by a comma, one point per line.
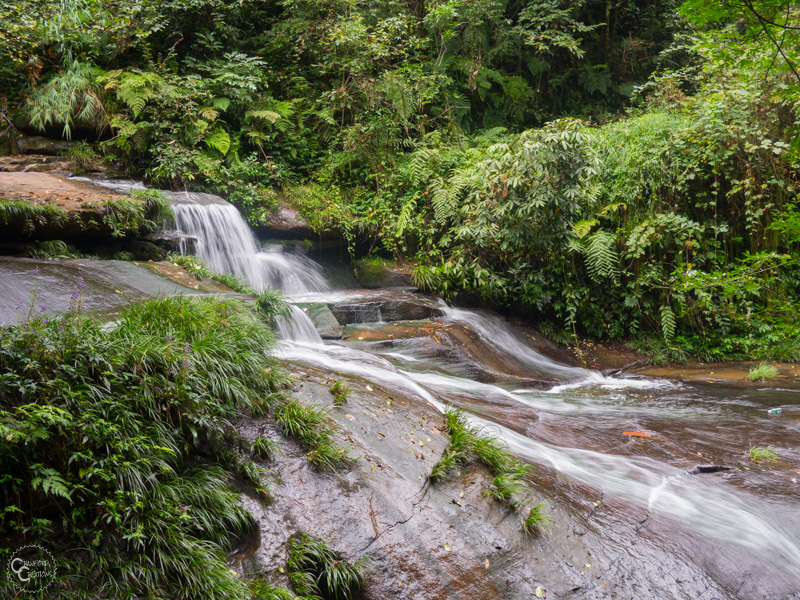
x=296, y=326
x=226, y=244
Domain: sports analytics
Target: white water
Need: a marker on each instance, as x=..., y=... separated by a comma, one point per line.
x=701, y=504
x=698, y=503
x=227, y=245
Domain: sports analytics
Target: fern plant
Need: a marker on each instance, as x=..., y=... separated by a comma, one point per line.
x=72, y=97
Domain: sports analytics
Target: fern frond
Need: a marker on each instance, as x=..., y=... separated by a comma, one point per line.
x=601, y=256
x=219, y=140
x=667, y=322
x=583, y=227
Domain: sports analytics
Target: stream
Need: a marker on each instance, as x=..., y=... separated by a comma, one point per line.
x=746, y=520
x=655, y=525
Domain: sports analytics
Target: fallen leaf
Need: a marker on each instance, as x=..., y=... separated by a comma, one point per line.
x=540, y=592
x=636, y=434
x=486, y=564
x=587, y=565
x=447, y=547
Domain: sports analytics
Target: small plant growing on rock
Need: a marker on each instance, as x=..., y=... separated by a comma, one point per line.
x=318, y=571
x=536, y=520
x=759, y=453
x=510, y=483
x=763, y=372
x=264, y=447
x=340, y=391
x=310, y=426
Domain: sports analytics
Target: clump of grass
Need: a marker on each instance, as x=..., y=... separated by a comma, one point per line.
x=158, y=207
x=264, y=447
x=124, y=255
x=340, y=391
x=536, y=520
x=272, y=304
x=467, y=445
x=53, y=249
x=318, y=571
x=127, y=417
x=762, y=372
x=200, y=271
x=262, y=589
x=28, y=215
x=760, y=453
x=310, y=426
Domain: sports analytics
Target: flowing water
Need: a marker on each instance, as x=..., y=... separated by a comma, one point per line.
x=741, y=524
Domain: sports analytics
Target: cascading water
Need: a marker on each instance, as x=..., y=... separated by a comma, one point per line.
x=227, y=244
x=590, y=402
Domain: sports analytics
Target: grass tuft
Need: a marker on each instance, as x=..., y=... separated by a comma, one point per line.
x=28, y=215
x=200, y=271
x=762, y=372
x=536, y=520
x=317, y=571
x=760, y=453
x=340, y=391
x=467, y=445
x=310, y=426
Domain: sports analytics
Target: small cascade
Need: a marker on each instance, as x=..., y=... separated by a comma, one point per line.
x=225, y=242
x=297, y=327
x=496, y=332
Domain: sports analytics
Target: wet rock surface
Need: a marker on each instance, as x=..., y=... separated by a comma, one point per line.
x=377, y=308
x=323, y=319
x=288, y=223
x=450, y=540
x=109, y=285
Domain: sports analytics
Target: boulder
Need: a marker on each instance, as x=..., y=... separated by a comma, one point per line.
x=407, y=308
x=323, y=319
x=286, y=222
x=36, y=144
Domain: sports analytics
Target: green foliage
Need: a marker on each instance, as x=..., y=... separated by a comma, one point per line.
x=536, y=520
x=763, y=372
x=107, y=433
x=340, y=391
x=29, y=216
x=759, y=453
x=272, y=304
x=53, y=249
x=70, y=98
x=200, y=271
x=264, y=447
x=467, y=445
x=310, y=426
x=317, y=571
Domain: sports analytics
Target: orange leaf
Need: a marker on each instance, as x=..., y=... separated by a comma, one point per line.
x=636, y=434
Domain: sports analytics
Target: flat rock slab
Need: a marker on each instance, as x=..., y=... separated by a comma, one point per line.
x=46, y=188
x=109, y=285
x=377, y=308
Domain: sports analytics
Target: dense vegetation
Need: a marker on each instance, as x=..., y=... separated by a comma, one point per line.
x=117, y=445
x=623, y=170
